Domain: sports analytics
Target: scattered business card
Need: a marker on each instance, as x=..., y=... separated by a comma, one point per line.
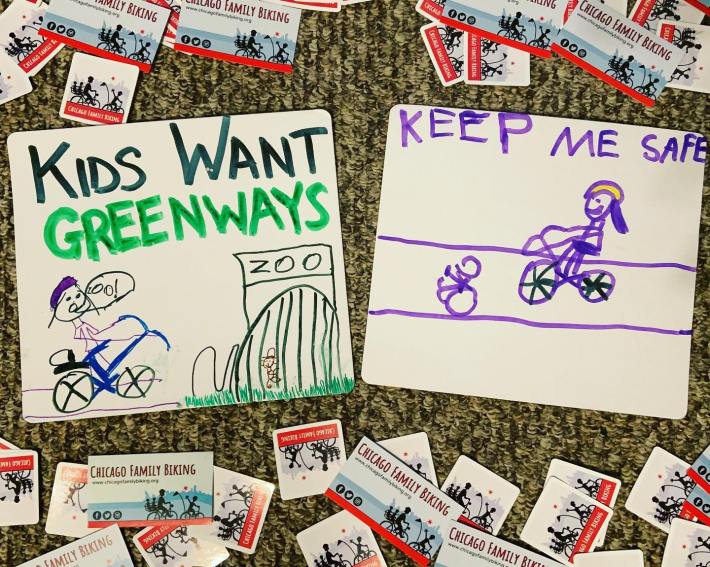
x=105, y=547
x=19, y=490
x=147, y=490
x=618, y=51
x=696, y=507
x=98, y=91
x=486, y=497
x=445, y=46
x=129, y=32
x=67, y=506
x=241, y=505
x=627, y=558
x=13, y=82
x=466, y=546
x=308, y=457
x=20, y=39
x=565, y=522
x=250, y=32
x=691, y=74
x=414, y=450
x=386, y=494
x=661, y=489
x=341, y=539
x=177, y=546
x=488, y=62
x=523, y=24
x=650, y=13
x=700, y=470
x=688, y=545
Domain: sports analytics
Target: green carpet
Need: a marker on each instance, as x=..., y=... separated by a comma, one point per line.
x=357, y=64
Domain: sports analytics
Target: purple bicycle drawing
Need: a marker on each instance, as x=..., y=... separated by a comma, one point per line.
x=562, y=251
x=560, y=257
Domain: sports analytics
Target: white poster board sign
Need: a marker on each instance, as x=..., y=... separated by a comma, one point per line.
x=178, y=264
x=536, y=259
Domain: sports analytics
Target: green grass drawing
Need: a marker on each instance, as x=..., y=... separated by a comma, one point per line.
x=330, y=387
x=223, y=398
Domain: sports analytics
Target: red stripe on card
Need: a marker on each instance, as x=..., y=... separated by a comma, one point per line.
x=438, y=52
x=606, y=492
x=39, y=55
x=91, y=113
x=24, y=463
x=603, y=76
x=75, y=474
x=155, y=535
x=473, y=60
x=493, y=37
x=87, y=48
x=466, y=521
x=700, y=6
x=250, y=530
x=692, y=514
x=590, y=531
x=699, y=480
x=142, y=523
x=373, y=561
x=233, y=58
x=364, y=518
x=571, y=5
x=643, y=11
x=430, y=9
x=307, y=434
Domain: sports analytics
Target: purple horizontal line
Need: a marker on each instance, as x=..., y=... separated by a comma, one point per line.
x=520, y=252
x=103, y=410
x=529, y=323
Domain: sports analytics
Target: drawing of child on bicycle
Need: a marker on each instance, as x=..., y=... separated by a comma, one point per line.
x=105, y=364
x=563, y=250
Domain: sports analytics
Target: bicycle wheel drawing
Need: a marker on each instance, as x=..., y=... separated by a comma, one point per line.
x=135, y=381
x=596, y=285
x=74, y=391
x=538, y=282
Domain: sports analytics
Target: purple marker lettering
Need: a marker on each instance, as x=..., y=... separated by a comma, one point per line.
x=573, y=148
x=408, y=127
x=651, y=153
x=701, y=150
x=471, y=117
x=505, y=130
x=433, y=121
x=604, y=141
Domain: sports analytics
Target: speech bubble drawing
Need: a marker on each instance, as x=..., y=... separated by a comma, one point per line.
x=108, y=288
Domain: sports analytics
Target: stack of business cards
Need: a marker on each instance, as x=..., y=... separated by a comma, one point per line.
x=688, y=545
x=693, y=71
x=461, y=54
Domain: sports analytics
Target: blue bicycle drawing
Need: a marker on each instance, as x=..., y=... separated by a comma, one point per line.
x=82, y=381
x=560, y=253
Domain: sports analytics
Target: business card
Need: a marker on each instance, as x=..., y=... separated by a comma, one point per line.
x=67, y=506
x=240, y=507
x=488, y=62
x=19, y=489
x=129, y=31
x=383, y=492
x=650, y=13
x=466, y=546
x=693, y=71
x=523, y=24
x=5, y=445
x=178, y=546
x=98, y=91
x=149, y=490
x=248, y=32
x=104, y=547
x=620, y=52
x=13, y=82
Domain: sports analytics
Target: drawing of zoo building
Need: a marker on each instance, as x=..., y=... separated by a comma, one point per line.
x=294, y=345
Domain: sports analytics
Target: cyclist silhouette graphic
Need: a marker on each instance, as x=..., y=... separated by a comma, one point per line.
x=362, y=550
x=515, y=24
x=462, y=495
x=161, y=507
x=562, y=538
x=624, y=67
x=485, y=520
x=453, y=39
x=194, y=508
x=667, y=510
x=401, y=521
x=686, y=40
x=281, y=54
x=590, y=486
x=252, y=44
x=424, y=546
x=116, y=37
x=19, y=43
x=332, y=558
x=563, y=250
x=115, y=104
x=542, y=40
x=649, y=89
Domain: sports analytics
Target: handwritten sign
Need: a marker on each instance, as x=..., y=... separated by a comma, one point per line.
x=179, y=264
x=536, y=259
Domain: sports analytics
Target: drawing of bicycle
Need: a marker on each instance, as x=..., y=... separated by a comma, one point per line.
x=454, y=289
x=82, y=381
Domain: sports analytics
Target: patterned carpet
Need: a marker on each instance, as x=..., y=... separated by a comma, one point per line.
x=357, y=64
